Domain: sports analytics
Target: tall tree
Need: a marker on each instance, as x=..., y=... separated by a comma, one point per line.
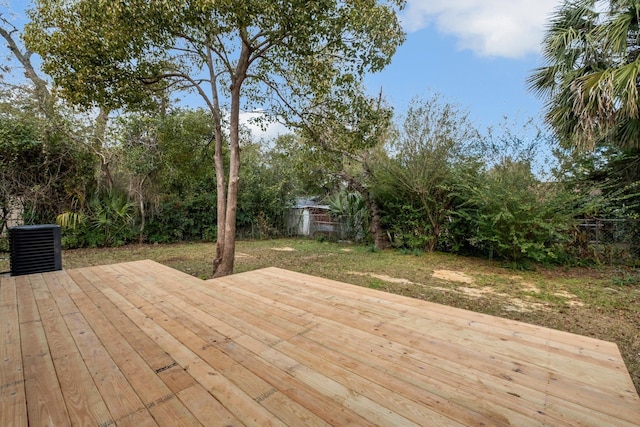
x=43, y=167
x=277, y=55
x=48, y=104
x=591, y=75
x=432, y=146
x=348, y=138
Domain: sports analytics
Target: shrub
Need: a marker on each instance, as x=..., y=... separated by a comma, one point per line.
x=509, y=214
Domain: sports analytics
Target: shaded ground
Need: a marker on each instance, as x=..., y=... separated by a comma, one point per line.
x=601, y=302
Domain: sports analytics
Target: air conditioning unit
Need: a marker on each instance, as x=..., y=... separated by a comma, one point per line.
x=34, y=249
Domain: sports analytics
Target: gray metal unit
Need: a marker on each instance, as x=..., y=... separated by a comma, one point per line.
x=34, y=249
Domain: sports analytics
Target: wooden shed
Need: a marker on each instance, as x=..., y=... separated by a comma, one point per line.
x=307, y=218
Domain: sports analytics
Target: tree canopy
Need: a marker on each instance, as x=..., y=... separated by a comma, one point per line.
x=590, y=79
x=280, y=56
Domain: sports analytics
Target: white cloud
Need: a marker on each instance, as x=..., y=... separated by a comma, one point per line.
x=267, y=130
x=506, y=28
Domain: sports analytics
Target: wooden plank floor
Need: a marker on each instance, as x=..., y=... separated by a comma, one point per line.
x=139, y=344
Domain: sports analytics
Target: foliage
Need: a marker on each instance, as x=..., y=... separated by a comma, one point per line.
x=347, y=137
x=447, y=187
x=405, y=221
x=606, y=179
x=350, y=209
x=606, y=202
x=185, y=151
x=71, y=220
x=506, y=208
x=270, y=54
x=313, y=170
x=43, y=168
x=509, y=214
x=265, y=191
x=165, y=158
x=178, y=219
x=429, y=154
x=590, y=78
x=108, y=221
x=112, y=219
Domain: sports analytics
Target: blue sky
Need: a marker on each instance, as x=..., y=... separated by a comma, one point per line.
x=475, y=53
x=489, y=87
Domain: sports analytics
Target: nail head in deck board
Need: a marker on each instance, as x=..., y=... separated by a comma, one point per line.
x=282, y=348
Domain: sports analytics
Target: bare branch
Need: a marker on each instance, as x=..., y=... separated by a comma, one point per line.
x=24, y=57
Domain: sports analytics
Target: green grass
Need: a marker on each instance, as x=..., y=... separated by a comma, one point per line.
x=600, y=302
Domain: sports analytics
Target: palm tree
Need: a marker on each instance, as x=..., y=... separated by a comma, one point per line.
x=591, y=73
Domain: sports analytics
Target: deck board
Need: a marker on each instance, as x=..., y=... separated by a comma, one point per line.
x=142, y=344
x=13, y=409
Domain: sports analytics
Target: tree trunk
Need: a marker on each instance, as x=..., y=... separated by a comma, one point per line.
x=225, y=266
x=380, y=238
x=432, y=243
x=143, y=214
x=104, y=179
x=136, y=188
x=434, y=220
x=221, y=198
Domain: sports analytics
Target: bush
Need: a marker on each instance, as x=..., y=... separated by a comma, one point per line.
x=178, y=219
x=509, y=214
x=108, y=222
x=408, y=227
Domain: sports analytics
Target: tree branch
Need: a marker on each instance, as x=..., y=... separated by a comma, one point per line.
x=24, y=57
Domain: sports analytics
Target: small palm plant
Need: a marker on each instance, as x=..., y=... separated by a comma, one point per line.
x=350, y=208
x=113, y=216
x=71, y=220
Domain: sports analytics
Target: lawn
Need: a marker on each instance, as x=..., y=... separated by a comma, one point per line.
x=599, y=302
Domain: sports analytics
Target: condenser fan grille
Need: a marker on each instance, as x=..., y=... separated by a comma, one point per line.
x=34, y=249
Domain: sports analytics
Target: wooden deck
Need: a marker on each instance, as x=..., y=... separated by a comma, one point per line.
x=140, y=344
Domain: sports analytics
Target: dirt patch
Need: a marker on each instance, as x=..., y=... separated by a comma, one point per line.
x=565, y=294
x=346, y=250
x=530, y=287
x=243, y=255
x=511, y=304
x=575, y=303
x=472, y=292
x=284, y=249
x=452, y=276
x=521, y=306
x=383, y=277
x=572, y=299
x=479, y=292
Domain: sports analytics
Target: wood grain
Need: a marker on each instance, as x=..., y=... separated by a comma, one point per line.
x=140, y=344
